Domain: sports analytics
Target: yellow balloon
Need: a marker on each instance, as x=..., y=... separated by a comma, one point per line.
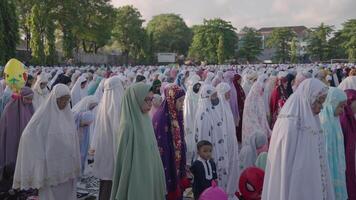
x=15, y=75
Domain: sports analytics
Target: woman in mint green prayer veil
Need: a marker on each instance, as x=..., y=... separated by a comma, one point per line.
x=139, y=171
x=329, y=117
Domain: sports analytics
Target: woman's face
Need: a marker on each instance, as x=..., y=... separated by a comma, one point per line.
x=63, y=101
x=92, y=106
x=82, y=85
x=318, y=104
x=340, y=108
x=43, y=85
x=27, y=100
x=147, y=103
x=227, y=95
x=179, y=103
x=353, y=106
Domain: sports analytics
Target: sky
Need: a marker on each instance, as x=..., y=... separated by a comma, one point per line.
x=252, y=13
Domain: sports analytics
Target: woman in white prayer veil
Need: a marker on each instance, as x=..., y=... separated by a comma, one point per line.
x=100, y=90
x=189, y=110
x=348, y=83
x=255, y=115
x=209, y=126
x=84, y=116
x=40, y=91
x=74, y=78
x=218, y=78
x=79, y=90
x=104, y=139
x=48, y=156
x=209, y=78
x=229, y=130
x=247, y=81
x=297, y=164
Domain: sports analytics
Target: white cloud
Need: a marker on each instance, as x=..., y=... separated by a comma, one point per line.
x=255, y=13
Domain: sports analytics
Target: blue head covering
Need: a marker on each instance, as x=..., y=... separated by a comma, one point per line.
x=335, y=141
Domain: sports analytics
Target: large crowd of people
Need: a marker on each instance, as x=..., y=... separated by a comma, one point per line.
x=247, y=132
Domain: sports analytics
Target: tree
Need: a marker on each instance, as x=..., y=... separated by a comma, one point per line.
x=169, y=34
x=95, y=26
x=37, y=32
x=337, y=50
x=280, y=40
x=318, y=46
x=206, y=38
x=294, y=50
x=250, y=44
x=9, y=35
x=50, y=43
x=348, y=32
x=68, y=16
x=220, y=51
x=128, y=31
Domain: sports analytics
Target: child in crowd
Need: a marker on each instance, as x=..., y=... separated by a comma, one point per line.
x=203, y=169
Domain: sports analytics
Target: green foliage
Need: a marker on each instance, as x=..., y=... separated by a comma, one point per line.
x=129, y=33
x=37, y=31
x=349, y=34
x=50, y=43
x=169, y=34
x=220, y=51
x=206, y=39
x=280, y=40
x=250, y=44
x=294, y=50
x=96, y=22
x=337, y=50
x=318, y=45
x=9, y=35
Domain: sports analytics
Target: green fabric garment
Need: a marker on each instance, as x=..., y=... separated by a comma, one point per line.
x=139, y=171
x=261, y=161
x=94, y=85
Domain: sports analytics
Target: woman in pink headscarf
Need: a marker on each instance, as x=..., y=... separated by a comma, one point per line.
x=348, y=124
x=228, y=78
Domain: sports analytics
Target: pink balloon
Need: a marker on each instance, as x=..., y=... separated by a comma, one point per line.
x=213, y=193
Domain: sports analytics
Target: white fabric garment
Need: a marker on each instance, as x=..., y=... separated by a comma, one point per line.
x=40, y=95
x=296, y=164
x=348, y=83
x=247, y=81
x=209, y=126
x=255, y=115
x=248, y=154
x=231, y=141
x=84, y=104
x=100, y=90
x=218, y=78
x=209, y=78
x=77, y=92
x=48, y=152
x=74, y=78
x=67, y=190
x=189, y=110
x=106, y=127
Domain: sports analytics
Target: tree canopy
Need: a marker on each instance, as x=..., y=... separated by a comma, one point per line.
x=9, y=34
x=280, y=39
x=214, y=41
x=169, y=33
x=250, y=44
x=318, y=46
